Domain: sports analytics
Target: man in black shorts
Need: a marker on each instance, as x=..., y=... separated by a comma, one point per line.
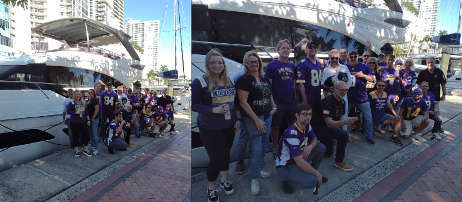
x=326, y=123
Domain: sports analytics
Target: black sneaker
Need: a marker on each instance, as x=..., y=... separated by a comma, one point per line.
x=88, y=153
x=151, y=134
x=77, y=153
x=111, y=151
x=228, y=187
x=324, y=179
x=287, y=188
x=396, y=141
x=371, y=142
x=213, y=196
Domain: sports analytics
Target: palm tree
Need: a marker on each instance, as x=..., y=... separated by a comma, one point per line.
x=443, y=32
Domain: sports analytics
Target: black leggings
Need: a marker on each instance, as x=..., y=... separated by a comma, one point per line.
x=78, y=128
x=217, y=143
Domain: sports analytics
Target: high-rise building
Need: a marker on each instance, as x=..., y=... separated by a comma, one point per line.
x=109, y=12
x=428, y=16
x=146, y=35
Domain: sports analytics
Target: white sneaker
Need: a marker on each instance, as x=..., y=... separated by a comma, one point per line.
x=164, y=133
x=418, y=137
x=437, y=136
x=265, y=174
x=254, y=187
x=95, y=152
x=172, y=132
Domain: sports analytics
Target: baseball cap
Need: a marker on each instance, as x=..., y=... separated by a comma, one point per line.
x=382, y=54
x=313, y=42
x=418, y=90
x=160, y=108
x=70, y=89
x=398, y=62
x=353, y=52
x=109, y=84
x=150, y=92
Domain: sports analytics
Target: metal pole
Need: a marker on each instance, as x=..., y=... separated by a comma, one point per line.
x=174, y=28
x=181, y=41
x=88, y=39
x=460, y=15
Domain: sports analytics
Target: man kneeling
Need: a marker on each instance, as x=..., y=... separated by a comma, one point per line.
x=297, y=147
x=115, y=134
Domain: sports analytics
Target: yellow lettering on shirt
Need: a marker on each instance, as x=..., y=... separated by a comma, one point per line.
x=223, y=99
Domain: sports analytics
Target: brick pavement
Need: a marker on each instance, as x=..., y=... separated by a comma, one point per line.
x=433, y=175
x=161, y=174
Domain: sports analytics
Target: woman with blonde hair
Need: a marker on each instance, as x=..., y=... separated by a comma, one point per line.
x=80, y=121
x=213, y=98
x=373, y=63
x=257, y=107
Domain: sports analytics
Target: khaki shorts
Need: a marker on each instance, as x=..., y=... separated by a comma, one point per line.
x=410, y=125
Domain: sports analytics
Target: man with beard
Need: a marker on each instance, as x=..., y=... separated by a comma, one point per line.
x=382, y=62
x=123, y=99
x=281, y=73
x=327, y=120
x=357, y=95
x=309, y=76
x=297, y=148
x=409, y=111
x=343, y=56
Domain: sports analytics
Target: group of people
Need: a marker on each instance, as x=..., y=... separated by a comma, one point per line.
x=315, y=102
x=111, y=117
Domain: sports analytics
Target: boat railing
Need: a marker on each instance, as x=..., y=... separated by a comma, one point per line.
x=98, y=51
x=356, y=3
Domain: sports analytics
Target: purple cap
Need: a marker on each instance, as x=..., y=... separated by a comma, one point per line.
x=160, y=108
x=399, y=62
x=150, y=92
x=418, y=90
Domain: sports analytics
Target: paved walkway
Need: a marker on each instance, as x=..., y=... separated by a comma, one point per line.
x=433, y=175
x=161, y=174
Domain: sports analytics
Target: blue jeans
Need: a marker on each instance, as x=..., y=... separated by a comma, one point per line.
x=298, y=177
x=366, y=110
x=137, y=127
x=244, y=139
x=93, y=131
x=258, y=147
x=118, y=144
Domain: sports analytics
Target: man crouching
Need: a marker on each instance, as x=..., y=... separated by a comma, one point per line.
x=115, y=134
x=297, y=147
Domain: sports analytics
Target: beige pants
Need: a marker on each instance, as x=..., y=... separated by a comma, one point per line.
x=410, y=125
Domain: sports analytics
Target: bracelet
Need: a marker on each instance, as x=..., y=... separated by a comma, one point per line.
x=344, y=121
x=275, y=108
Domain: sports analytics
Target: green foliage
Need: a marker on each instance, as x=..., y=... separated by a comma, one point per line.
x=151, y=74
x=398, y=51
x=443, y=32
x=22, y=3
x=410, y=7
x=136, y=46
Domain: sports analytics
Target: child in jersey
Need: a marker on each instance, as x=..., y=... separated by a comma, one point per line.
x=169, y=116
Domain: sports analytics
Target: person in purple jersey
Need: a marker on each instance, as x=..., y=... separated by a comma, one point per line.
x=160, y=121
x=109, y=102
x=146, y=96
x=357, y=95
x=80, y=121
x=343, y=56
x=135, y=104
x=411, y=120
x=408, y=76
x=154, y=99
x=378, y=100
x=66, y=116
x=93, y=111
x=309, y=76
x=432, y=111
x=391, y=77
x=328, y=118
x=296, y=149
x=146, y=120
x=114, y=138
x=170, y=118
x=213, y=98
x=281, y=73
x=382, y=63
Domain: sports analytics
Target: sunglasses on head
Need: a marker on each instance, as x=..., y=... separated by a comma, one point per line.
x=312, y=47
x=334, y=58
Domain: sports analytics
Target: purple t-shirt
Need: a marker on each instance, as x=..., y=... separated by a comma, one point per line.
x=309, y=74
x=429, y=100
x=384, y=64
x=168, y=115
x=145, y=117
x=159, y=117
x=411, y=109
x=203, y=102
x=74, y=107
x=282, y=76
x=378, y=105
x=290, y=143
x=389, y=76
x=358, y=93
x=147, y=98
x=109, y=101
x=133, y=99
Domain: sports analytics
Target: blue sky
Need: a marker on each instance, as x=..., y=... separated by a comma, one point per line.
x=150, y=10
x=448, y=16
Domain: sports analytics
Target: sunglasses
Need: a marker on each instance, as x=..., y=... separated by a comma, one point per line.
x=366, y=56
x=353, y=57
x=381, y=86
x=252, y=62
x=372, y=63
x=312, y=47
x=334, y=58
x=417, y=94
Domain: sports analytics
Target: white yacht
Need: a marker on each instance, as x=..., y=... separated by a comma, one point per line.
x=32, y=87
x=237, y=26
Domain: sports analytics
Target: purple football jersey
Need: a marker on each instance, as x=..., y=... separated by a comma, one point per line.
x=389, y=76
x=109, y=101
x=290, y=143
x=358, y=93
x=378, y=105
x=309, y=74
x=283, y=76
x=411, y=109
x=429, y=100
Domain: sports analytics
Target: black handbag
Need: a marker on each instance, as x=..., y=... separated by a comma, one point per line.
x=250, y=126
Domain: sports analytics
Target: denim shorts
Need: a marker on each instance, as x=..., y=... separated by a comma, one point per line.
x=286, y=111
x=380, y=121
